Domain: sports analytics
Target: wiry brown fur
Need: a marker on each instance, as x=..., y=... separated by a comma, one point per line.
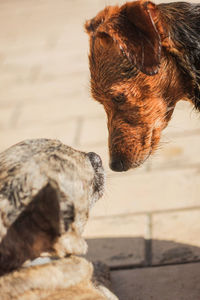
x=144, y=58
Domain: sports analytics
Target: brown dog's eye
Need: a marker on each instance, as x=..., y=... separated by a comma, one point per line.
x=119, y=99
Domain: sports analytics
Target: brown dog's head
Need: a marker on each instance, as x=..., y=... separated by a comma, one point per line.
x=134, y=77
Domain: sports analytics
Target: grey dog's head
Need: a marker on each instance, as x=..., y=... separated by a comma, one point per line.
x=46, y=192
x=27, y=167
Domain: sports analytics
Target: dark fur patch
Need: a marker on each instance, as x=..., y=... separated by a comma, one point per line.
x=34, y=231
x=184, y=25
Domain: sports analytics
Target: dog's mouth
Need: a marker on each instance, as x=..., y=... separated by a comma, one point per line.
x=98, y=183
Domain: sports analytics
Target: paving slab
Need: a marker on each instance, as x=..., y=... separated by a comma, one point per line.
x=6, y=117
x=180, y=231
x=178, y=154
x=94, y=131
x=149, y=192
x=43, y=61
x=54, y=131
x=180, y=282
x=184, y=118
x=117, y=241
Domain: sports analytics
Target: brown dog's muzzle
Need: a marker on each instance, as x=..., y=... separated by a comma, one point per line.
x=121, y=162
x=130, y=146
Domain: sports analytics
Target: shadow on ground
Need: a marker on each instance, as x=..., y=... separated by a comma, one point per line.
x=149, y=269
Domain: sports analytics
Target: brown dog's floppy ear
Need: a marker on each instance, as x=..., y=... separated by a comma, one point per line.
x=134, y=30
x=143, y=42
x=136, y=34
x=92, y=25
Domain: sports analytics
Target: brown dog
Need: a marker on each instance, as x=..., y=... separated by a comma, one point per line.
x=144, y=58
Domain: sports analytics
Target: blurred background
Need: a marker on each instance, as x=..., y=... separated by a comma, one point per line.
x=148, y=216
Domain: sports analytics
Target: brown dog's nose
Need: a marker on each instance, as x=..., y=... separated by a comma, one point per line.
x=95, y=160
x=119, y=165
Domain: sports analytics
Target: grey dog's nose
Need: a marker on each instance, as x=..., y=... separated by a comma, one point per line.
x=95, y=160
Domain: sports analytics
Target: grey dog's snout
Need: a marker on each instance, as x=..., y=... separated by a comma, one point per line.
x=95, y=160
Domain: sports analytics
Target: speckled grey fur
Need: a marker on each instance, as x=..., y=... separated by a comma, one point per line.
x=28, y=166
